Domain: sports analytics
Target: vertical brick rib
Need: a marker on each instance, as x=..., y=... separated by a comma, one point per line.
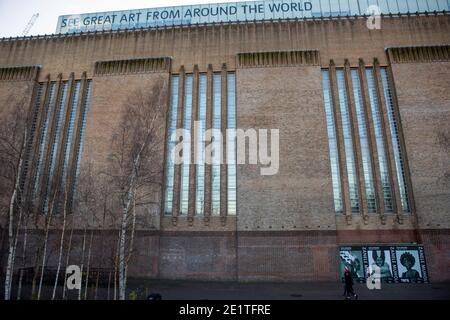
x=357, y=153
x=371, y=137
x=208, y=125
x=223, y=126
x=387, y=137
x=177, y=169
x=194, y=133
x=340, y=143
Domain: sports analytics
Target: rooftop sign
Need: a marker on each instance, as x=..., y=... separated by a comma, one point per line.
x=237, y=12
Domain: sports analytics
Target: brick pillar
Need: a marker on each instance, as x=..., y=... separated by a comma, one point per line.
x=223, y=165
x=177, y=167
x=340, y=144
x=371, y=137
x=362, y=199
x=208, y=125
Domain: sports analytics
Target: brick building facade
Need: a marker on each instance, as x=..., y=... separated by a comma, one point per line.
x=288, y=226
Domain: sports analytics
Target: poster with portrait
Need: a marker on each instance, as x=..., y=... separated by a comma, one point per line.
x=380, y=262
x=392, y=263
x=411, y=264
x=352, y=258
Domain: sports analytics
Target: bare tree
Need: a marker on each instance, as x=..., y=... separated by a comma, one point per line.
x=13, y=140
x=61, y=245
x=48, y=220
x=131, y=166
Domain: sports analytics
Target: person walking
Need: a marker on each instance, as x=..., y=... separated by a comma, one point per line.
x=348, y=280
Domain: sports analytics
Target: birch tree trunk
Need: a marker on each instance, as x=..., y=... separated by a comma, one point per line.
x=82, y=261
x=88, y=265
x=122, y=254
x=61, y=243
x=109, y=285
x=25, y=239
x=13, y=255
x=12, y=241
x=116, y=267
x=130, y=249
x=67, y=262
x=96, y=285
x=44, y=253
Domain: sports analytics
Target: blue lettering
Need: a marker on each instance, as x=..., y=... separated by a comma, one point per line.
x=188, y=13
x=274, y=7
x=308, y=6
x=123, y=18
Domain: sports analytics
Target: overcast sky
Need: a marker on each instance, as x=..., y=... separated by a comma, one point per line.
x=15, y=14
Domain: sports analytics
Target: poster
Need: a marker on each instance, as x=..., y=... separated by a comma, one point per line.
x=411, y=265
x=392, y=263
x=352, y=258
x=380, y=259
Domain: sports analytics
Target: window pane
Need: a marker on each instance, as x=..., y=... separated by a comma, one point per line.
x=48, y=108
x=171, y=142
x=376, y=118
x=348, y=143
x=55, y=145
x=399, y=164
x=200, y=191
x=85, y=109
x=332, y=144
x=28, y=151
x=231, y=143
x=364, y=141
x=215, y=170
x=187, y=122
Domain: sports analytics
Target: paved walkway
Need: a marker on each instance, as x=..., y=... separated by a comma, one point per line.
x=209, y=290
x=199, y=290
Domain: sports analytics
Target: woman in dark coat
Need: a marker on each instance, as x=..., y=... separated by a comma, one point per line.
x=348, y=280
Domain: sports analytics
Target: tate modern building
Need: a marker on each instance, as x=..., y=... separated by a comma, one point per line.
x=351, y=96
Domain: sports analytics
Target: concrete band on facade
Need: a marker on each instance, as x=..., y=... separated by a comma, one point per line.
x=286, y=227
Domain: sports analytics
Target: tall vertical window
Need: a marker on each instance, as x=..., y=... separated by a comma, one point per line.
x=84, y=111
x=332, y=142
x=171, y=142
x=364, y=141
x=36, y=109
x=366, y=111
x=231, y=143
x=69, y=137
x=348, y=143
x=215, y=170
x=200, y=179
x=378, y=130
x=399, y=165
x=204, y=112
x=56, y=136
x=187, y=123
x=44, y=137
